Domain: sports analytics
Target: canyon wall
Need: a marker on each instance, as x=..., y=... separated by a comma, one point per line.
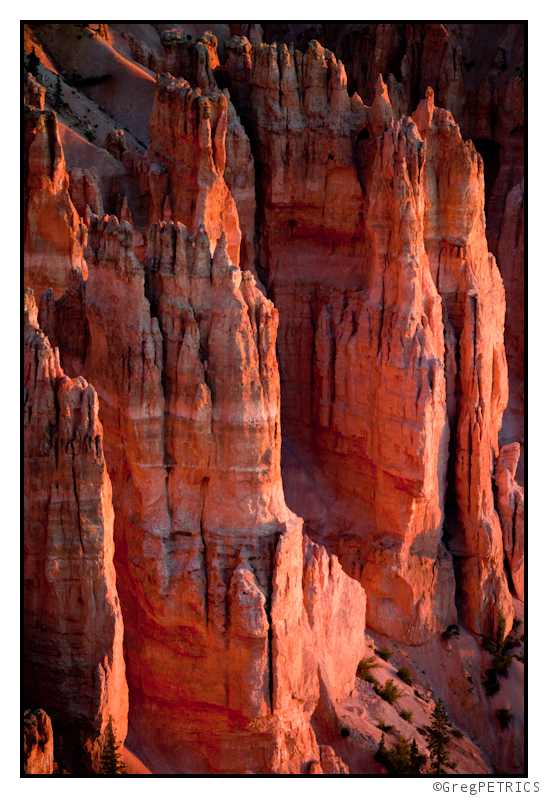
x=358, y=210
x=224, y=602
x=54, y=234
x=37, y=743
x=285, y=260
x=74, y=664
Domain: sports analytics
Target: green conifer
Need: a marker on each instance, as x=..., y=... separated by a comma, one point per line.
x=416, y=759
x=439, y=738
x=111, y=759
x=382, y=756
x=400, y=757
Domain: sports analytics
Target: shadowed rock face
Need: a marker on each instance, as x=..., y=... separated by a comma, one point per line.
x=385, y=312
x=73, y=625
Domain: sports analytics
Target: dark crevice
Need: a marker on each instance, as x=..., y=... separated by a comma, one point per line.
x=203, y=487
x=490, y=153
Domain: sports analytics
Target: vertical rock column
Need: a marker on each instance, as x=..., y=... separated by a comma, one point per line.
x=223, y=654
x=469, y=282
x=207, y=172
x=74, y=666
x=54, y=232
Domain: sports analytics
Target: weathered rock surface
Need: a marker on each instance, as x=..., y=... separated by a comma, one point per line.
x=477, y=73
x=199, y=167
x=329, y=763
x=369, y=232
x=472, y=291
x=511, y=260
x=224, y=603
x=358, y=211
x=74, y=665
x=510, y=497
x=85, y=192
x=37, y=743
x=54, y=232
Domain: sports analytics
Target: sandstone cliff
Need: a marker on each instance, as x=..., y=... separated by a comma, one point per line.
x=362, y=218
x=510, y=501
x=74, y=664
x=231, y=620
x=397, y=202
x=199, y=167
x=54, y=232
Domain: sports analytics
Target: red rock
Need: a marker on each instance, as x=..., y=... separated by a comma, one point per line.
x=54, y=232
x=37, y=743
x=34, y=92
x=358, y=360
x=198, y=152
x=209, y=558
x=240, y=631
x=510, y=499
x=471, y=288
x=511, y=261
x=74, y=665
x=115, y=143
x=85, y=192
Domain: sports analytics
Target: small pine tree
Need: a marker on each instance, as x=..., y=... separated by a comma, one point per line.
x=33, y=62
x=365, y=667
x=389, y=692
x=405, y=675
x=400, y=757
x=58, y=97
x=80, y=768
x=416, y=759
x=111, y=760
x=382, y=756
x=439, y=738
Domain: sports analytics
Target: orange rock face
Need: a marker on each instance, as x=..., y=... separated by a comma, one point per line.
x=356, y=224
x=199, y=167
x=385, y=310
x=37, y=743
x=54, y=232
x=471, y=287
x=231, y=618
x=74, y=664
x=510, y=499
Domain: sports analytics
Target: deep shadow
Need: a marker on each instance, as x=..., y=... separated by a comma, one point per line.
x=489, y=151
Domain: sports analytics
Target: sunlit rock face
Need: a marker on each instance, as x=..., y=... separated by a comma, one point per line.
x=54, y=232
x=231, y=616
x=74, y=662
x=386, y=337
x=301, y=254
x=37, y=743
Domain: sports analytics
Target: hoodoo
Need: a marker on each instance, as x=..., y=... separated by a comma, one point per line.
x=273, y=396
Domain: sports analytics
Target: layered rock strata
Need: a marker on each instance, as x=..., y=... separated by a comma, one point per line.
x=74, y=665
x=470, y=285
x=358, y=210
x=54, y=232
x=232, y=618
x=240, y=631
x=199, y=167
